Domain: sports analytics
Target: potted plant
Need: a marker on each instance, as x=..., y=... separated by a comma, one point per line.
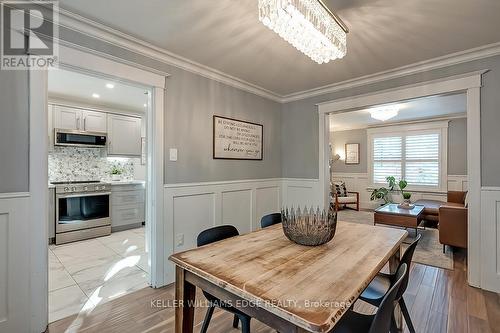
x=116, y=173
x=380, y=194
x=384, y=193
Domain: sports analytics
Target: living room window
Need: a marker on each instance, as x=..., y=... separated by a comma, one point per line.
x=416, y=153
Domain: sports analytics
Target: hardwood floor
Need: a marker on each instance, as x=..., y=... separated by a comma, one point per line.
x=439, y=301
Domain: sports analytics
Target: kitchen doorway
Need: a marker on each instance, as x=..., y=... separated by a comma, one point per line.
x=86, y=207
x=97, y=184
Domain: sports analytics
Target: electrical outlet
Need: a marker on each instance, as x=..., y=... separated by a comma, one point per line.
x=179, y=239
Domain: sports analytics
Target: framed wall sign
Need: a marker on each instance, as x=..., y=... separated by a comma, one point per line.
x=236, y=139
x=352, y=153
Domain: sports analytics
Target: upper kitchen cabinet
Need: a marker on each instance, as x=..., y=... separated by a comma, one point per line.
x=94, y=121
x=71, y=118
x=67, y=117
x=124, y=135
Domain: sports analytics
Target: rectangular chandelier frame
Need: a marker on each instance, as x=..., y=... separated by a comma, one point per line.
x=308, y=25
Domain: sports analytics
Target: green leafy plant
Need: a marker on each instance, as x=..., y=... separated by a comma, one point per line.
x=391, y=181
x=380, y=193
x=384, y=193
x=116, y=170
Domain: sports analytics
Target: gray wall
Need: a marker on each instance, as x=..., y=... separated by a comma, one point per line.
x=14, y=136
x=191, y=101
x=457, y=148
x=338, y=139
x=300, y=120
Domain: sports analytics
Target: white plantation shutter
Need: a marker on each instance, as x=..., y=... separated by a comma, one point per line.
x=414, y=155
x=422, y=159
x=387, y=158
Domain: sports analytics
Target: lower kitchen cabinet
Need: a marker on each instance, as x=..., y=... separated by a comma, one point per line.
x=52, y=213
x=127, y=205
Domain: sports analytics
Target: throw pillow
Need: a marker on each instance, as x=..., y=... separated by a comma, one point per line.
x=340, y=189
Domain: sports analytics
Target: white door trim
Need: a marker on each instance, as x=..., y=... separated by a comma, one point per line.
x=469, y=83
x=39, y=199
x=91, y=63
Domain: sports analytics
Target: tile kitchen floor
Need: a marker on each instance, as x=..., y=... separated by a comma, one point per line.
x=85, y=274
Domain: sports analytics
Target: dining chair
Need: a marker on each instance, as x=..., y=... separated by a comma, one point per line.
x=379, y=286
x=380, y=322
x=208, y=236
x=270, y=219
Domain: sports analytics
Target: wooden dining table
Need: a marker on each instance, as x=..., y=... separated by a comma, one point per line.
x=289, y=287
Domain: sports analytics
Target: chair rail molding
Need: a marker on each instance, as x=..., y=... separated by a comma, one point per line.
x=468, y=82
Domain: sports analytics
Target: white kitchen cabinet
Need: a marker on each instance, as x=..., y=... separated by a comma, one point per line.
x=127, y=206
x=67, y=118
x=124, y=135
x=52, y=214
x=94, y=121
x=71, y=118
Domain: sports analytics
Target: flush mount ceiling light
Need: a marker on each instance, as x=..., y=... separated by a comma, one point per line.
x=95, y=95
x=110, y=85
x=384, y=113
x=308, y=25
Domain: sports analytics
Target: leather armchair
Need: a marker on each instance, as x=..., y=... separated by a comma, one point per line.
x=453, y=221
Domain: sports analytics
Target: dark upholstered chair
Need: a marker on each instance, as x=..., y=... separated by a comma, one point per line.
x=378, y=288
x=208, y=236
x=380, y=322
x=270, y=219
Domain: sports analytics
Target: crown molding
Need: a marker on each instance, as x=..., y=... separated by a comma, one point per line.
x=117, y=38
x=481, y=52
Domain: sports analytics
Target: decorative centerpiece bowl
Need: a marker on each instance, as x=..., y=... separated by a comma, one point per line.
x=309, y=227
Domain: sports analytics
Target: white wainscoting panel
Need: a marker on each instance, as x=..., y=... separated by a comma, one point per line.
x=14, y=263
x=267, y=201
x=458, y=183
x=490, y=238
x=236, y=209
x=300, y=192
x=193, y=213
x=191, y=208
x=359, y=182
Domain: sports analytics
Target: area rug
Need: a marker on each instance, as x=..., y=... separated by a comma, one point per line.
x=428, y=252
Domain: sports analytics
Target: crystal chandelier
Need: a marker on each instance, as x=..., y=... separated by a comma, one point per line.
x=308, y=25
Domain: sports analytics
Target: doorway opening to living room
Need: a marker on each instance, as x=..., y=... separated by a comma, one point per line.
x=412, y=151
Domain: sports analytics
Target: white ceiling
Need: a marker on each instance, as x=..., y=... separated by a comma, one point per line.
x=416, y=109
x=78, y=87
x=226, y=35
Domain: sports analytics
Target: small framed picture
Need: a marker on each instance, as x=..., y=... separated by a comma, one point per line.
x=352, y=153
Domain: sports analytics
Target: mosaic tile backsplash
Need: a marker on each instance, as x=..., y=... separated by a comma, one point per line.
x=72, y=163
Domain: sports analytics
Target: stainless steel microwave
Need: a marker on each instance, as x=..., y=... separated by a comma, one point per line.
x=77, y=138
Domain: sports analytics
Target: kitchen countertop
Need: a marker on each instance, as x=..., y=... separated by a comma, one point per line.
x=119, y=182
x=128, y=182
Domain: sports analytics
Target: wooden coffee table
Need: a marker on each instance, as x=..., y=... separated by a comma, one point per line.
x=391, y=214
